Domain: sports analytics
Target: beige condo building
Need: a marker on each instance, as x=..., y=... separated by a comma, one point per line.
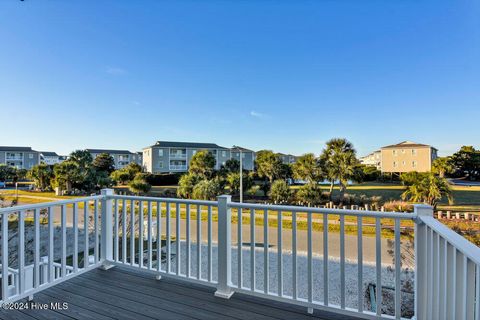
x=407, y=156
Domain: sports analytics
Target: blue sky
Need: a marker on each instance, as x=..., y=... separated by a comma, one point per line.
x=281, y=75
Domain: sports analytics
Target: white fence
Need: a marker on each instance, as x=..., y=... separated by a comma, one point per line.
x=206, y=242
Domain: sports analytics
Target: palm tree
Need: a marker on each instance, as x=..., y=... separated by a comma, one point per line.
x=41, y=174
x=308, y=168
x=442, y=166
x=428, y=188
x=339, y=162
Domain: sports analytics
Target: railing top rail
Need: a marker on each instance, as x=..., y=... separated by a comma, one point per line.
x=170, y=200
x=456, y=240
x=48, y=204
x=362, y=213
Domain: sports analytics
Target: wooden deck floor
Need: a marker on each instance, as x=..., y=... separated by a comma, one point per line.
x=127, y=294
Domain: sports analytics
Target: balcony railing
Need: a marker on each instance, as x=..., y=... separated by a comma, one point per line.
x=202, y=241
x=178, y=156
x=178, y=167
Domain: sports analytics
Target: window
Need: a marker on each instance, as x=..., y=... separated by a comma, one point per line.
x=394, y=152
x=414, y=164
x=243, y=155
x=160, y=152
x=160, y=164
x=403, y=163
x=394, y=164
x=403, y=150
x=414, y=152
x=194, y=151
x=30, y=155
x=224, y=154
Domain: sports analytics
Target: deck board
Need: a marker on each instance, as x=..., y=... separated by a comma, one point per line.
x=122, y=293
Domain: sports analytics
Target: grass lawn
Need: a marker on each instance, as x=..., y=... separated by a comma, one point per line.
x=465, y=198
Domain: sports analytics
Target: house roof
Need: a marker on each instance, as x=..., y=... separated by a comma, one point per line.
x=236, y=148
x=408, y=144
x=177, y=144
x=8, y=148
x=49, y=154
x=108, y=151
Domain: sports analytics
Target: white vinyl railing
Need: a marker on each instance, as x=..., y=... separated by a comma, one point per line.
x=269, y=251
x=37, y=248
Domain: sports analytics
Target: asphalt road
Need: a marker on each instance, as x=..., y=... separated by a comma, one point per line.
x=369, y=252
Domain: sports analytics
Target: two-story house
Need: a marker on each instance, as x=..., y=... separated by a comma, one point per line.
x=174, y=156
x=51, y=158
x=120, y=157
x=287, y=158
x=19, y=157
x=373, y=159
x=407, y=156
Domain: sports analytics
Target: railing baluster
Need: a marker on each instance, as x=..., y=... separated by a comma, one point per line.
x=360, y=262
x=210, y=243
x=435, y=272
x=443, y=279
x=239, y=248
x=461, y=279
x=4, y=256
x=36, y=251
x=187, y=231
x=75, y=237
x=124, y=231
x=477, y=303
x=167, y=231
x=265, y=253
x=252, y=249
x=451, y=281
x=294, y=255
x=325, y=259
x=140, y=234
x=309, y=258
x=86, y=249
x=342, y=261
x=96, y=251
x=159, y=236
x=50, y=245
x=132, y=232
x=199, y=242
x=115, y=230
x=21, y=252
x=149, y=234
x=398, y=288
x=279, y=254
x=64, y=240
x=430, y=264
x=470, y=289
x=177, y=235
x=378, y=254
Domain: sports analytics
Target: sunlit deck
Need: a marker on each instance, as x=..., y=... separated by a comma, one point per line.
x=120, y=293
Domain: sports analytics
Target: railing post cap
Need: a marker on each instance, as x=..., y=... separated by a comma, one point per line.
x=423, y=209
x=107, y=192
x=225, y=197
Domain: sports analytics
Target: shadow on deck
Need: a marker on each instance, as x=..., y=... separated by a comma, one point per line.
x=121, y=293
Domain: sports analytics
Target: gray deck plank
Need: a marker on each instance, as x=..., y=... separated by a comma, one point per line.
x=73, y=311
x=267, y=307
x=147, y=300
x=126, y=293
x=112, y=298
x=157, y=289
x=92, y=304
x=14, y=315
